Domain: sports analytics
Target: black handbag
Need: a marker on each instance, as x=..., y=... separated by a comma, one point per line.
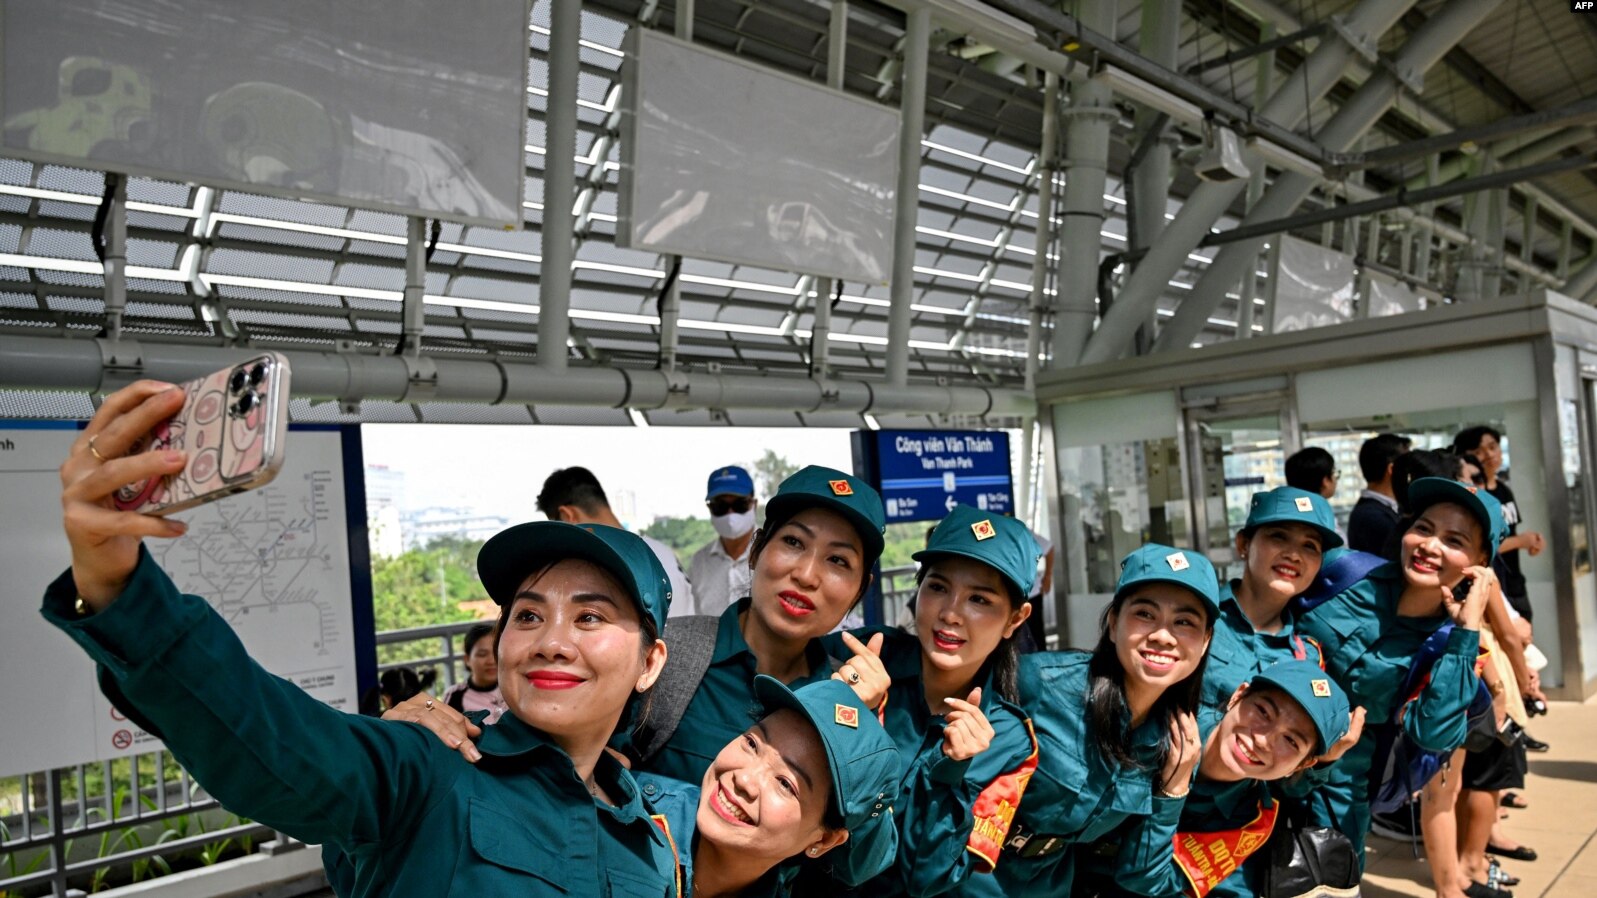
x=1306, y=861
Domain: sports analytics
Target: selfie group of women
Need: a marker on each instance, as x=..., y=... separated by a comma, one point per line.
x=760, y=753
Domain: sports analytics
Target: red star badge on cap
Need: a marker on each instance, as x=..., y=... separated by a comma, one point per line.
x=840, y=488
x=1322, y=688
x=983, y=530
x=846, y=715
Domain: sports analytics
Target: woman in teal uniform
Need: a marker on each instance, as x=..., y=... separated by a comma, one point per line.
x=1289, y=717
x=1281, y=545
x=545, y=809
x=810, y=784
x=946, y=693
x=812, y=562
x=1116, y=729
x=1370, y=633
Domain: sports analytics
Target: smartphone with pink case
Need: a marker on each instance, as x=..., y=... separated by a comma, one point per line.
x=232, y=425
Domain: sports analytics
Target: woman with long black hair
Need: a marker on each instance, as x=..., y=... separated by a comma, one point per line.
x=1116, y=728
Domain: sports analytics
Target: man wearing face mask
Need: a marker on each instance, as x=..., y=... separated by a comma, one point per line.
x=720, y=571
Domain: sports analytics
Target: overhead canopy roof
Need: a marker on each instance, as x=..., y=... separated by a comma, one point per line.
x=205, y=264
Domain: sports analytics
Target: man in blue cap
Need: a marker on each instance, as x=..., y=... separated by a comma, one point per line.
x=720, y=571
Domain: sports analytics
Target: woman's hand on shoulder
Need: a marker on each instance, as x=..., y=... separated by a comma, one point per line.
x=451, y=727
x=864, y=672
x=104, y=540
x=966, y=730
x=1185, y=748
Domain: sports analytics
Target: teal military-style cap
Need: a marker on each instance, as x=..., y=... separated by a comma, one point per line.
x=1154, y=563
x=1287, y=503
x=865, y=766
x=1000, y=542
x=511, y=554
x=1427, y=491
x=849, y=496
x=1322, y=699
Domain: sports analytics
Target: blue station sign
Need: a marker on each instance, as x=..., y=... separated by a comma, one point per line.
x=921, y=474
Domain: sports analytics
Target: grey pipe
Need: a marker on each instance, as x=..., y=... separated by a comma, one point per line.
x=912, y=120
x=559, y=185
x=50, y=363
x=1288, y=106
x=1362, y=110
x=1045, y=222
x=1090, y=114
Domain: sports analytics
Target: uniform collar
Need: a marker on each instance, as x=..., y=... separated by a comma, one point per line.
x=1232, y=610
x=729, y=641
x=512, y=738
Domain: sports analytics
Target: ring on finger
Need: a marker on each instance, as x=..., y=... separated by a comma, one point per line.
x=95, y=452
x=853, y=677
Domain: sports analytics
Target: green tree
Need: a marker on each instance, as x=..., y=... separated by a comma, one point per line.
x=769, y=472
x=422, y=587
x=684, y=535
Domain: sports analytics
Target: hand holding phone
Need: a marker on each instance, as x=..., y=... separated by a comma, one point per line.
x=232, y=425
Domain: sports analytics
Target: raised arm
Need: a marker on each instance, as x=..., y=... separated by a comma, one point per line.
x=260, y=745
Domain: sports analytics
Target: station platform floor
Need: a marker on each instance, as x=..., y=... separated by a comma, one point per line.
x=1561, y=822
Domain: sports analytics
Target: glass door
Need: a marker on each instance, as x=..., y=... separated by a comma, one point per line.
x=1237, y=449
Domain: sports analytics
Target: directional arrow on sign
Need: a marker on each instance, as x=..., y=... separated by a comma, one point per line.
x=949, y=503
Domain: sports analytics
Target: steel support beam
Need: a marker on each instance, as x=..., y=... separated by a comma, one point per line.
x=821, y=324
x=912, y=119
x=1160, y=35
x=51, y=363
x=1361, y=111
x=412, y=311
x=1579, y=113
x=1091, y=113
x=1289, y=106
x=115, y=253
x=559, y=185
x=1041, y=264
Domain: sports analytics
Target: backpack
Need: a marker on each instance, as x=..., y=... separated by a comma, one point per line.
x=1337, y=577
x=1400, y=767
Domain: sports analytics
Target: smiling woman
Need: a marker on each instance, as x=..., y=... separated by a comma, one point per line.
x=1116, y=729
x=398, y=812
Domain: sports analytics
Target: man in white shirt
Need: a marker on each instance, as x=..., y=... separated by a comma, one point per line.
x=720, y=571
x=574, y=495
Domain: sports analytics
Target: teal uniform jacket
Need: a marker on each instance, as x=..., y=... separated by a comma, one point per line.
x=1078, y=796
x=724, y=705
x=1368, y=650
x=1211, y=807
x=935, y=808
x=1237, y=651
x=410, y=815
x=678, y=803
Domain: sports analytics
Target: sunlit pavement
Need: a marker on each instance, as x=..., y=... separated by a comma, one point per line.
x=1560, y=823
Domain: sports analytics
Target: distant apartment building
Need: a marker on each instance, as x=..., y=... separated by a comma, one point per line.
x=425, y=525
x=385, y=497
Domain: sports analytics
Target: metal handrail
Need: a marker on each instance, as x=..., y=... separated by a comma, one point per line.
x=69, y=821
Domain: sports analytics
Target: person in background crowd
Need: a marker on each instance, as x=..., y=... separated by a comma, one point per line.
x=1485, y=445
x=1374, y=515
x=720, y=570
x=479, y=691
x=574, y=495
x=1312, y=470
x=1116, y=729
x=1370, y=632
x=946, y=692
x=579, y=610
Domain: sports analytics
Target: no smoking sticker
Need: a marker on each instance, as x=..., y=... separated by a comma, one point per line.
x=121, y=739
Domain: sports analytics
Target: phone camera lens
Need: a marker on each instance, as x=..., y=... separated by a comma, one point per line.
x=246, y=403
x=257, y=374
x=236, y=382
